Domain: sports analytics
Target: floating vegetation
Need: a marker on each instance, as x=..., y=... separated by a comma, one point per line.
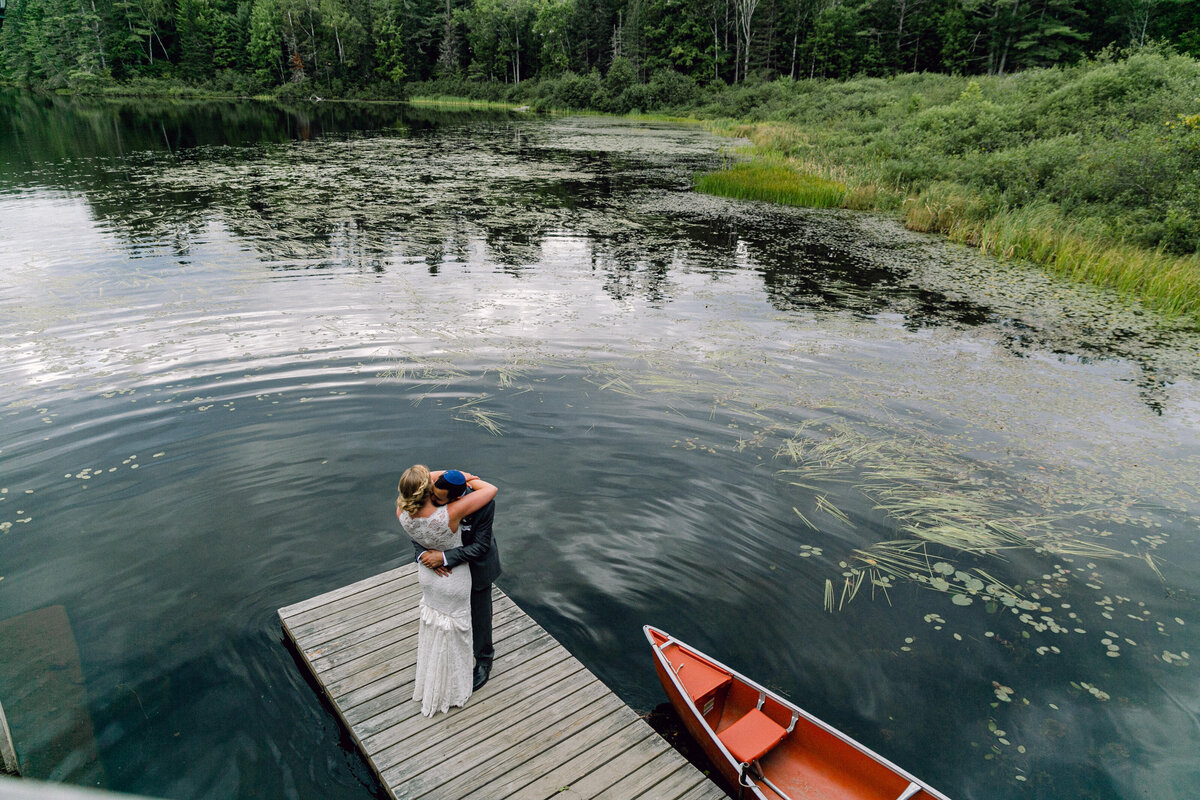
x=950, y=517
x=487, y=419
x=935, y=502
x=829, y=508
x=508, y=375
x=1181, y=658
x=1094, y=691
x=613, y=383
x=803, y=518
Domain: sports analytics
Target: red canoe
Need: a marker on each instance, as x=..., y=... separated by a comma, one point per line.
x=770, y=747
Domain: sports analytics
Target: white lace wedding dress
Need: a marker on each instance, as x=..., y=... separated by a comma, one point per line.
x=445, y=654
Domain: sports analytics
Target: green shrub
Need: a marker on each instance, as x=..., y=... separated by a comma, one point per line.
x=90, y=82
x=1024, y=174
x=1110, y=97
x=969, y=124
x=621, y=75
x=577, y=91
x=1180, y=230
x=671, y=90
x=636, y=97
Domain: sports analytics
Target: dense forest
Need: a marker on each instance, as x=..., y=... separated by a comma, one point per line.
x=377, y=47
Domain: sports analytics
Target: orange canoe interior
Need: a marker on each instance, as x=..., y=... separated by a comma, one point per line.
x=809, y=762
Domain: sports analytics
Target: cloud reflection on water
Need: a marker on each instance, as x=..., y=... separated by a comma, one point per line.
x=292, y=323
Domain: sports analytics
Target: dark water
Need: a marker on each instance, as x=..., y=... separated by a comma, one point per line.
x=226, y=329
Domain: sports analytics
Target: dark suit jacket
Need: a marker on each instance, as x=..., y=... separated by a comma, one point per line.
x=478, y=549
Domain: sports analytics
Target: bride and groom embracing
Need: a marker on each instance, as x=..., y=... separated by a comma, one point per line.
x=448, y=515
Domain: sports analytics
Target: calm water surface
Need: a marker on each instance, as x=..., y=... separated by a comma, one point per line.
x=948, y=505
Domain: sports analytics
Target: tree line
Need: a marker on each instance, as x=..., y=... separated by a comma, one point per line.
x=376, y=47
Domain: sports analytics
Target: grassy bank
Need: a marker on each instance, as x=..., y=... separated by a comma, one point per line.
x=1038, y=232
x=1091, y=171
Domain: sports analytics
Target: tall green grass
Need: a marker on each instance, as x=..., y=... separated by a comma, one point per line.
x=774, y=182
x=461, y=102
x=1040, y=233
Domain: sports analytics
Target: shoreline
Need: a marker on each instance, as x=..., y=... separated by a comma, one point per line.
x=784, y=165
x=1161, y=281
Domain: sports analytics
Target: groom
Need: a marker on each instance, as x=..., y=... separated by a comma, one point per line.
x=479, y=551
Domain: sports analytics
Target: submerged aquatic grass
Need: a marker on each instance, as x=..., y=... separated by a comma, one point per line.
x=941, y=509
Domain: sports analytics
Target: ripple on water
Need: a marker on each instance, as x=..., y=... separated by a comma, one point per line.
x=712, y=416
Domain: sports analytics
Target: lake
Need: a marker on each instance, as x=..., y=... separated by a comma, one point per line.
x=948, y=504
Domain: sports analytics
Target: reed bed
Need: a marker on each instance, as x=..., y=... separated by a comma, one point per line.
x=1168, y=283
x=774, y=182
x=460, y=102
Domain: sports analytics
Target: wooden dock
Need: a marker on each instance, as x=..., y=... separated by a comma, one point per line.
x=543, y=726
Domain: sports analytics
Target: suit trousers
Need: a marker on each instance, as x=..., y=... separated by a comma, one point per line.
x=481, y=624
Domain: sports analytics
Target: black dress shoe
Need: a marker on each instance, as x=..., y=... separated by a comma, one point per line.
x=481, y=676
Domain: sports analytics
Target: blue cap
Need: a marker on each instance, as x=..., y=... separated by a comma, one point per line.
x=453, y=481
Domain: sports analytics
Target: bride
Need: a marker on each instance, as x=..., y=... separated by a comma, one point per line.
x=444, y=649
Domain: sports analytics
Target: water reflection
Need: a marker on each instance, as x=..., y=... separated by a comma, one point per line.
x=392, y=184
x=41, y=129
x=217, y=355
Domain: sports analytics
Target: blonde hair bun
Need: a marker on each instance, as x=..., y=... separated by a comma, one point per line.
x=414, y=487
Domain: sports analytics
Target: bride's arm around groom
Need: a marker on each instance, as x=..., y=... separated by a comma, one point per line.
x=480, y=553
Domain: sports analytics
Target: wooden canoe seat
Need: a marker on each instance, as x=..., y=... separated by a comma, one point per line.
x=752, y=736
x=700, y=679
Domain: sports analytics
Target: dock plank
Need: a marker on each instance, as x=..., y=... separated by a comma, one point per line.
x=413, y=724
x=662, y=770
x=382, y=712
x=365, y=701
x=544, y=725
x=348, y=597
x=506, y=749
x=410, y=753
x=703, y=790
x=632, y=758
x=565, y=760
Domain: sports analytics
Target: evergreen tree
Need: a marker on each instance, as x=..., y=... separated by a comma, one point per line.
x=341, y=44
x=195, y=26
x=678, y=29
x=387, y=31
x=264, y=52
